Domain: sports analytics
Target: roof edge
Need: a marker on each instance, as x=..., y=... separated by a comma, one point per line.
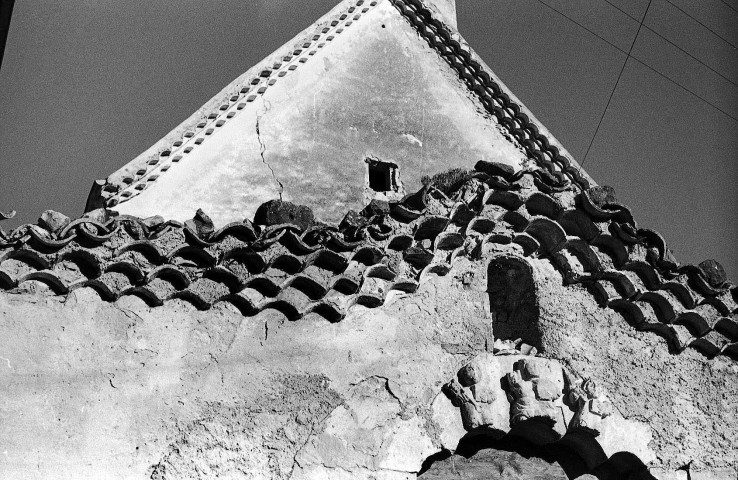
x=445, y=9
x=499, y=101
x=108, y=188
x=509, y=111
x=541, y=127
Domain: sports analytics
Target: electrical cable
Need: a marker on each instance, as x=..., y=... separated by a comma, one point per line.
x=728, y=5
x=642, y=63
x=705, y=26
x=620, y=75
x=672, y=43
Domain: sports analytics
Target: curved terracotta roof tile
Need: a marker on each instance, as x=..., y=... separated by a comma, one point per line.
x=324, y=270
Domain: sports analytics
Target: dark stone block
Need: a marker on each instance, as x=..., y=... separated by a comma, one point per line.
x=53, y=221
x=351, y=220
x=201, y=224
x=99, y=215
x=714, y=272
x=602, y=195
x=418, y=257
x=276, y=212
x=376, y=207
x=134, y=230
x=153, y=222
x=495, y=169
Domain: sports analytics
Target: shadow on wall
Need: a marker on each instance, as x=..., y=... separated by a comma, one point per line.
x=538, y=451
x=512, y=299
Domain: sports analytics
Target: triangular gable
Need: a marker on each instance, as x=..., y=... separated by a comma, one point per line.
x=371, y=78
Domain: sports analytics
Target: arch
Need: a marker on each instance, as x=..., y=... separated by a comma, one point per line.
x=535, y=446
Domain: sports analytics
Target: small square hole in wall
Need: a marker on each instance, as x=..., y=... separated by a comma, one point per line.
x=382, y=175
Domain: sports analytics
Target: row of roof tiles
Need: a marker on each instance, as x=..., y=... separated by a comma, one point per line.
x=492, y=94
x=312, y=267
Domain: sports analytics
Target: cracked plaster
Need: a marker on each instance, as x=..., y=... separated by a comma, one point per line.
x=251, y=404
x=174, y=392
x=263, y=148
x=359, y=95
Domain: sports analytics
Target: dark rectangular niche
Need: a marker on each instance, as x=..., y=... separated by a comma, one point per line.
x=382, y=175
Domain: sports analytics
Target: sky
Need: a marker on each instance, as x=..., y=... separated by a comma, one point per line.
x=87, y=85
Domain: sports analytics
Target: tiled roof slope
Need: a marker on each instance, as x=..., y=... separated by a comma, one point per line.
x=587, y=236
x=497, y=99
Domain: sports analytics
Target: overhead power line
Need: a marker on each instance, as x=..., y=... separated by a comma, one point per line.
x=620, y=75
x=729, y=6
x=671, y=43
x=705, y=26
x=641, y=62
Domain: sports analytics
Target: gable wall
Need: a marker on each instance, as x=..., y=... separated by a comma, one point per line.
x=376, y=89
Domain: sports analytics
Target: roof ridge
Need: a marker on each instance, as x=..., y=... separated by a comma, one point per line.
x=496, y=97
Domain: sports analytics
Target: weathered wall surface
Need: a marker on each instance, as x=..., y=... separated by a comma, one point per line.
x=688, y=401
x=98, y=390
x=377, y=88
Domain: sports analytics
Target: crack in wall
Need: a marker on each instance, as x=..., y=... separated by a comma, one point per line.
x=262, y=145
x=220, y=369
x=321, y=422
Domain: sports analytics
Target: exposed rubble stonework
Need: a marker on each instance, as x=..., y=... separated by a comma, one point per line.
x=495, y=318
